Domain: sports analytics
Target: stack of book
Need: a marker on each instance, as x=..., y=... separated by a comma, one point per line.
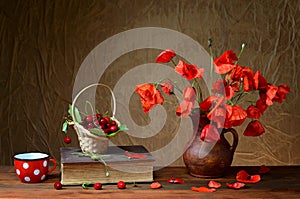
x=126, y=163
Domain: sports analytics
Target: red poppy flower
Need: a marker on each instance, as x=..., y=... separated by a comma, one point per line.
x=189, y=97
x=254, y=128
x=261, y=104
x=253, y=112
x=225, y=62
x=185, y=108
x=236, y=185
x=210, y=133
x=209, y=102
x=242, y=74
x=165, y=56
x=271, y=94
x=189, y=71
x=260, y=83
x=218, y=115
x=235, y=116
x=214, y=184
x=167, y=87
x=221, y=88
x=282, y=91
x=243, y=176
x=264, y=169
x=189, y=94
x=203, y=189
x=149, y=96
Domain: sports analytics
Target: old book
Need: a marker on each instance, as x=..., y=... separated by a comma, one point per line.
x=119, y=163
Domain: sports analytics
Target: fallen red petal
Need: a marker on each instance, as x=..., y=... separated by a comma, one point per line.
x=155, y=185
x=236, y=185
x=175, y=181
x=243, y=176
x=214, y=184
x=203, y=189
x=135, y=155
x=264, y=169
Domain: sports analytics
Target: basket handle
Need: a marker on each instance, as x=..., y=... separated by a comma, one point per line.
x=96, y=84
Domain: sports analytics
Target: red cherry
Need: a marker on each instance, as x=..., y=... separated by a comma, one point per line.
x=107, y=119
x=57, y=185
x=89, y=119
x=103, y=121
x=67, y=140
x=90, y=126
x=121, y=185
x=97, y=186
x=106, y=130
x=113, y=123
x=114, y=128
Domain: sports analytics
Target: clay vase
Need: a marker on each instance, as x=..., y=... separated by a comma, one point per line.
x=208, y=160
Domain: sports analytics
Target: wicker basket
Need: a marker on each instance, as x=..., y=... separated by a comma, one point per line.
x=90, y=143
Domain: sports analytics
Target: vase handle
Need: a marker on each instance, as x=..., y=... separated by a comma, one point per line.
x=235, y=138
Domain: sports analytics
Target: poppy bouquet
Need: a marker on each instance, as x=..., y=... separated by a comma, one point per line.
x=223, y=107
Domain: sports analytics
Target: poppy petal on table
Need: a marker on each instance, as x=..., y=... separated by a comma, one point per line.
x=214, y=184
x=236, y=185
x=243, y=176
x=135, y=155
x=254, y=128
x=203, y=189
x=175, y=181
x=165, y=56
x=155, y=185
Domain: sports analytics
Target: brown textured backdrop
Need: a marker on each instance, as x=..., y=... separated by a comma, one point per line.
x=43, y=44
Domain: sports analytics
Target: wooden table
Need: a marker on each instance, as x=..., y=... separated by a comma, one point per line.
x=281, y=182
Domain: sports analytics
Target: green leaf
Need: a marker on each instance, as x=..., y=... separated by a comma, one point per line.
x=97, y=132
x=65, y=127
x=77, y=115
x=70, y=109
x=86, y=184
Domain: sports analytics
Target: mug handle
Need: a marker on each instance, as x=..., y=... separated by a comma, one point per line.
x=235, y=138
x=54, y=166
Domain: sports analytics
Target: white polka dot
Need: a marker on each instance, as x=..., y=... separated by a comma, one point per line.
x=27, y=179
x=45, y=163
x=18, y=172
x=25, y=165
x=43, y=177
x=36, y=172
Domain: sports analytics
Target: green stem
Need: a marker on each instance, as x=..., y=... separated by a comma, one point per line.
x=211, y=56
x=173, y=62
x=241, y=52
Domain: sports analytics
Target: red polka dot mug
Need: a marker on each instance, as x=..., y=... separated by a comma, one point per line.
x=33, y=167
